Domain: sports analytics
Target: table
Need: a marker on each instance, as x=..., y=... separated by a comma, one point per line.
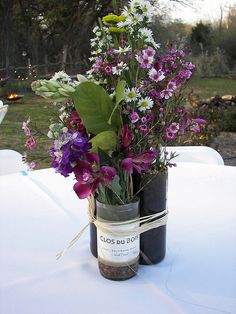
x=40, y=214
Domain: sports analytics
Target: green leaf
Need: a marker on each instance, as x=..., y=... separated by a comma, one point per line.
x=115, y=186
x=94, y=106
x=120, y=91
x=105, y=140
x=104, y=158
x=120, y=95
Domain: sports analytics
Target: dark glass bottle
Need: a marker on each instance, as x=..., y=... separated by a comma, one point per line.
x=118, y=255
x=153, y=200
x=93, y=239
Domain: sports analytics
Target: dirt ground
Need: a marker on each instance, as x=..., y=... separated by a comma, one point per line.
x=225, y=144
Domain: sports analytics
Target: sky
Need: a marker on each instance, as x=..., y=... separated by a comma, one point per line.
x=205, y=10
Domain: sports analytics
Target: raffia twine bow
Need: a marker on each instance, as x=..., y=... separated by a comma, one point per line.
x=140, y=225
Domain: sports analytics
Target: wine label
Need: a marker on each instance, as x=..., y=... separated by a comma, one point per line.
x=116, y=249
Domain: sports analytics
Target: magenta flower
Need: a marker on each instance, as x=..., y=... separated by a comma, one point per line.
x=75, y=123
x=107, y=69
x=134, y=117
x=126, y=136
x=140, y=163
x=89, y=176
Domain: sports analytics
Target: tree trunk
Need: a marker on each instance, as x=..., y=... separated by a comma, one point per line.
x=64, y=56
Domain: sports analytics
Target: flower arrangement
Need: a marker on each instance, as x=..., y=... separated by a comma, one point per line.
x=114, y=124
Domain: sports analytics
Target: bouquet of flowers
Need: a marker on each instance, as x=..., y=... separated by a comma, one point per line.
x=114, y=123
x=117, y=121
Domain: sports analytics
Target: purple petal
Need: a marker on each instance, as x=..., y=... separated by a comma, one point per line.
x=127, y=164
x=82, y=190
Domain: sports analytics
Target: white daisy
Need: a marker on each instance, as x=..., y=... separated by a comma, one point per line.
x=145, y=104
x=131, y=94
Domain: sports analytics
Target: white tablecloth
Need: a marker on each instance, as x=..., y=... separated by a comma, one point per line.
x=40, y=214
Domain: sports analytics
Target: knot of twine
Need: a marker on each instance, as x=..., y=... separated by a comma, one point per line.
x=136, y=226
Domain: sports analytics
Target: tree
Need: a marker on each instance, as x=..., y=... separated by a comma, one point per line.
x=201, y=38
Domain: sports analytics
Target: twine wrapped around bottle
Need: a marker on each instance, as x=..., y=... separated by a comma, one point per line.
x=142, y=224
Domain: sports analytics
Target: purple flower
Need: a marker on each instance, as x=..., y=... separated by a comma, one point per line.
x=149, y=117
x=172, y=85
x=140, y=163
x=73, y=147
x=134, y=117
x=196, y=125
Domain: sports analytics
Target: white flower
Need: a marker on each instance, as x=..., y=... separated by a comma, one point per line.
x=123, y=50
x=134, y=19
x=131, y=95
x=146, y=33
x=61, y=76
x=126, y=11
x=96, y=28
x=145, y=103
x=119, y=68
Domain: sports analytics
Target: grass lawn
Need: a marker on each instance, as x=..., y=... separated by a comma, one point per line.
x=11, y=133
x=209, y=87
x=40, y=111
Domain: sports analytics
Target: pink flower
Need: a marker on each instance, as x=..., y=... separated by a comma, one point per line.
x=143, y=128
x=134, y=117
x=145, y=61
x=155, y=75
x=26, y=128
x=169, y=135
x=30, y=143
x=150, y=52
x=174, y=127
x=126, y=136
x=166, y=93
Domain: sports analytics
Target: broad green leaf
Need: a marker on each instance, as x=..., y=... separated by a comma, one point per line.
x=120, y=91
x=115, y=186
x=120, y=95
x=94, y=106
x=105, y=140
